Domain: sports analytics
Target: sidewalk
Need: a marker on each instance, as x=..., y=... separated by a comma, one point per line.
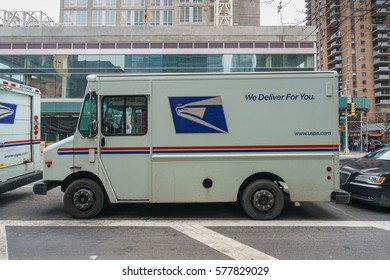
x=353, y=154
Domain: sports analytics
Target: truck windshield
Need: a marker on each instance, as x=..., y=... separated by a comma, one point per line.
x=88, y=117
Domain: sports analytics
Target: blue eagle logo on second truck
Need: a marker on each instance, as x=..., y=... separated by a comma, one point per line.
x=200, y=114
x=7, y=113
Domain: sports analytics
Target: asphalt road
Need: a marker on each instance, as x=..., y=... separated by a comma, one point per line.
x=36, y=227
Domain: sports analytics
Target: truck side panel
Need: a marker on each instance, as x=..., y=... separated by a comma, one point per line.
x=16, y=133
x=282, y=126
x=19, y=135
x=181, y=180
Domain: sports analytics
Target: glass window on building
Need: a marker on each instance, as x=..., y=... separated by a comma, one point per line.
x=197, y=14
x=190, y=14
x=167, y=18
x=132, y=3
x=184, y=14
x=132, y=18
x=111, y=3
x=138, y=63
x=155, y=17
x=139, y=18
x=215, y=63
x=156, y=3
x=63, y=76
x=97, y=18
x=75, y=18
x=276, y=60
x=243, y=63
x=191, y=1
x=103, y=18
x=97, y=3
x=284, y=62
x=4, y=65
x=104, y=3
x=212, y=13
x=126, y=18
x=160, y=17
x=110, y=18
x=75, y=3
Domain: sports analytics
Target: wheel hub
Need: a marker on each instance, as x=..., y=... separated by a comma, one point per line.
x=263, y=200
x=83, y=199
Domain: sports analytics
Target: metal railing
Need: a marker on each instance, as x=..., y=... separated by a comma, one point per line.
x=25, y=19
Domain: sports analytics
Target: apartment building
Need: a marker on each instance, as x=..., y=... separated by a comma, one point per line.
x=353, y=39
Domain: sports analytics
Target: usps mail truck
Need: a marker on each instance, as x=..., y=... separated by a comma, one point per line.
x=198, y=138
x=20, y=160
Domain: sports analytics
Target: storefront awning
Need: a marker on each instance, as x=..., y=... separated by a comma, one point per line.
x=375, y=134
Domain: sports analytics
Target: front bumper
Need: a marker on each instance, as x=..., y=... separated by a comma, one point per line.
x=42, y=188
x=373, y=195
x=341, y=197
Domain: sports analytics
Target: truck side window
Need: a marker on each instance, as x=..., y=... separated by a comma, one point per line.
x=124, y=115
x=88, y=119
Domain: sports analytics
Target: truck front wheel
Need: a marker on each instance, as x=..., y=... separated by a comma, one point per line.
x=262, y=200
x=84, y=199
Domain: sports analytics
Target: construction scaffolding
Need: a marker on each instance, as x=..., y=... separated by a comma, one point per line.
x=25, y=19
x=223, y=13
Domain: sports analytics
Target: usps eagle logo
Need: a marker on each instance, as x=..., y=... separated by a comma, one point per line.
x=201, y=114
x=7, y=113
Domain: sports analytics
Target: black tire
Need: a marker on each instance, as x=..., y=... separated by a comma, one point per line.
x=84, y=199
x=262, y=200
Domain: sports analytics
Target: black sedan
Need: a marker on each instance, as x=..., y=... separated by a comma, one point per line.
x=367, y=179
x=379, y=145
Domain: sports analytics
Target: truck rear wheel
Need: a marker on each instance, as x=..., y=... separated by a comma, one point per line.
x=262, y=200
x=84, y=199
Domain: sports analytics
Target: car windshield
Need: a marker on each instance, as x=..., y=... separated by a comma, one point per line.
x=383, y=154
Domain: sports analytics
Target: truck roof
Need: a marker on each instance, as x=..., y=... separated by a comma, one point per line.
x=96, y=77
x=8, y=85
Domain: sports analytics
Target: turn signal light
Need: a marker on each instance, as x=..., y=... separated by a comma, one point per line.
x=36, y=126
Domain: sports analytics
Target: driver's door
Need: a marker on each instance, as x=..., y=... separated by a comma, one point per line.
x=125, y=146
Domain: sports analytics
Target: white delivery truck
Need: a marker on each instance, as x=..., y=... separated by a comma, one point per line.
x=197, y=138
x=20, y=160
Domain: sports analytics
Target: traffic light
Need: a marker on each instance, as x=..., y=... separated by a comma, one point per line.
x=352, y=110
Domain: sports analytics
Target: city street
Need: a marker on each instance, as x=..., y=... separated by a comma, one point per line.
x=36, y=227
x=194, y=101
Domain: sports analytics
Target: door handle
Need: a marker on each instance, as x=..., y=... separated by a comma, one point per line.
x=103, y=142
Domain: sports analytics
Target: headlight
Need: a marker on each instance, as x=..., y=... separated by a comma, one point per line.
x=376, y=180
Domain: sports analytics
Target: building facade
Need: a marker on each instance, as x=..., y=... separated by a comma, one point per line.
x=57, y=59
x=128, y=13
x=353, y=39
